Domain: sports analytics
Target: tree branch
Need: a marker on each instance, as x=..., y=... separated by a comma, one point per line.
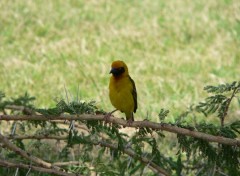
x=8, y=164
x=37, y=137
x=227, y=106
x=24, y=154
x=24, y=109
x=136, y=124
x=131, y=153
x=79, y=126
x=127, y=151
x=66, y=163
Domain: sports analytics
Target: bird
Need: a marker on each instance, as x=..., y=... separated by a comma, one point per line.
x=122, y=90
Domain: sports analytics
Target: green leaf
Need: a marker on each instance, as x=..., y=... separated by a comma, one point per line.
x=163, y=114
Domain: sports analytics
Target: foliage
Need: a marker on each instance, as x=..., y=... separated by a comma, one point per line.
x=107, y=149
x=216, y=158
x=219, y=102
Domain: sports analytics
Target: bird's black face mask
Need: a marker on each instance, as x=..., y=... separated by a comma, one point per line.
x=117, y=71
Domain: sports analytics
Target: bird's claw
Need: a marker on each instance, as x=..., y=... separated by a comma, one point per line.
x=129, y=122
x=107, y=117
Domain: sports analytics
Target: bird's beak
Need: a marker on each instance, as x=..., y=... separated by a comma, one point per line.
x=112, y=70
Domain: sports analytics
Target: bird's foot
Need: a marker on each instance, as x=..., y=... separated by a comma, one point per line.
x=107, y=117
x=129, y=122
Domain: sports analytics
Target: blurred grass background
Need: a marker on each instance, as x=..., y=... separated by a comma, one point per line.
x=172, y=48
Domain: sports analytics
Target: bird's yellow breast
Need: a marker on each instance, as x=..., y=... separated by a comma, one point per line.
x=120, y=93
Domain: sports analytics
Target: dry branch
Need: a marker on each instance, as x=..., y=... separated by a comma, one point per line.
x=37, y=137
x=24, y=109
x=66, y=163
x=136, y=124
x=24, y=154
x=131, y=153
x=78, y=126
x=227, y=106
x=8, y=164
x=127, y=151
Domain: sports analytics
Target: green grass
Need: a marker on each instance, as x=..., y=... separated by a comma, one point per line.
x=173, y=49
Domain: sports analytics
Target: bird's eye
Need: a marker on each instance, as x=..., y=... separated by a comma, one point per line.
x=121, y=69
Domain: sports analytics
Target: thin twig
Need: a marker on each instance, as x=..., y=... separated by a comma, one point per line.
x=37, y=137
x=24, y=109
x=60, y=164
x=135, y=124
x=227, y=106
x=79, y=126
x=8, y=164
x=131, y=153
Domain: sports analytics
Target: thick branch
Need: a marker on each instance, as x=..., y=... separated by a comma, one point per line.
x=35, y=168
x=24, y=154
x=128, y=151
x=136, y=124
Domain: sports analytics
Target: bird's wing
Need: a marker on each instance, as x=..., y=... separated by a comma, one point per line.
x=134, y=93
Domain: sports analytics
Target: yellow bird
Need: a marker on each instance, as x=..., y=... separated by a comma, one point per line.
x=122, y=90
